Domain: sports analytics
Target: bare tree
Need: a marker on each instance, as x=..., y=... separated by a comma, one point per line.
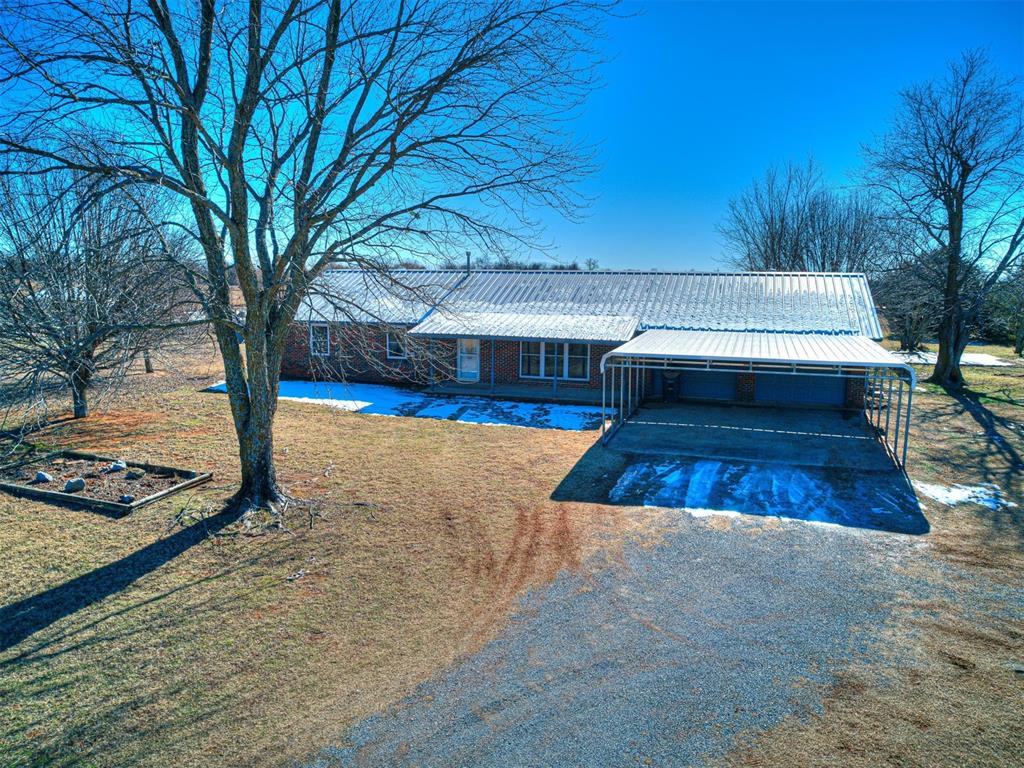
x=908, y=296
x=951, y=166
x=1004, y=309
x=86, y=285
x=790, y=221
x=305, y=133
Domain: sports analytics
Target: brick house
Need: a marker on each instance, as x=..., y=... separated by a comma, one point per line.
x=544, y=334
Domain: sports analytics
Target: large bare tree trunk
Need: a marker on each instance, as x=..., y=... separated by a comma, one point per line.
x=252, y=384
x=79, y=399
x=952, y=342
x=79, y=385
x=256, y=450
x=952, y=328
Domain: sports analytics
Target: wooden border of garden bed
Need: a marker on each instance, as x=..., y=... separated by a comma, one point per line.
x=114, y=508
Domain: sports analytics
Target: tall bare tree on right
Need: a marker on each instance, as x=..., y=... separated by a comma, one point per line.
x=952, y=166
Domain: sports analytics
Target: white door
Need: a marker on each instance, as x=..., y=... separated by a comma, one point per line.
x=468, y=368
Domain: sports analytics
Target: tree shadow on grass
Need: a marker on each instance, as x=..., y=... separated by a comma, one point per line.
x=994, y=457
x=994, y=426
x=24, y=618
x=91, y=663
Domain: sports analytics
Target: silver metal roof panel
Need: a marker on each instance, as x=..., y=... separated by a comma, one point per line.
x=401, y=296
x=516, y=325
x=783, y=348
x=800, y=302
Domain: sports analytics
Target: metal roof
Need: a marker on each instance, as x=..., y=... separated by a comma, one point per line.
x=517, y=325
x=784, y=348
x=805, y=302
x=399, y=296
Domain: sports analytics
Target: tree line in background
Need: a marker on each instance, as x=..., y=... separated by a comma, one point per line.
x=936, y=219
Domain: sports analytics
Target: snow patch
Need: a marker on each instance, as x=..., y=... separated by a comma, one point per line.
x=968, y=358
x=821, y=497
x=986, y=494
x=383, y=400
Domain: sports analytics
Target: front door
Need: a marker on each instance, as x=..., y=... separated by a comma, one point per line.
x=468, y=366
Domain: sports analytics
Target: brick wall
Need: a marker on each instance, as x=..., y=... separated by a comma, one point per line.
x=745, y=383
x=855, y=393
x=506, y=366
x=359, y=354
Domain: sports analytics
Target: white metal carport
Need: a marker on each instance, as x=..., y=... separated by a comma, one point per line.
x=801, y=354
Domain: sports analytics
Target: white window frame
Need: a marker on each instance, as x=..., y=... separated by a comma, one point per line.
x=563, y=375
x=401, y=342
x=312, y=347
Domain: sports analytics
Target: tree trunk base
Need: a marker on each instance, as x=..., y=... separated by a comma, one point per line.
x=261, y=508
x=949, y=382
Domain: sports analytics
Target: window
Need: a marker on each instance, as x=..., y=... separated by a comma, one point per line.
x=549, y=359
x=529, y=358
x=396, y=347
x=319, y=339
x=577, y=361
x=468, y=361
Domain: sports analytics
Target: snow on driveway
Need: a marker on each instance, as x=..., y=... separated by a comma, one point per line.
x=880, y=501
x=383, y=400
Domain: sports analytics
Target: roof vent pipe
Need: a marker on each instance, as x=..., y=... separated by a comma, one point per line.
x=469, y=267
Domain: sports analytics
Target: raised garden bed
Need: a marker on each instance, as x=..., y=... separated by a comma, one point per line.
x=105, y=490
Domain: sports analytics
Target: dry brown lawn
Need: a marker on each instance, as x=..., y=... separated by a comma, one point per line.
x=244, y=649
x=161, y=645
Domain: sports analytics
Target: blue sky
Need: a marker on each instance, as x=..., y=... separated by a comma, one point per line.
x=702, y=97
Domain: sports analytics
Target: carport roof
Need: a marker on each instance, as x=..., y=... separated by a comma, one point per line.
x=779, y=348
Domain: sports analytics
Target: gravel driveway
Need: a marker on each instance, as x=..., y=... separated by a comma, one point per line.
x=664, y=658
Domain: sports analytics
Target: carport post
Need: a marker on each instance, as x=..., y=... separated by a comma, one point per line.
x=906, y=429
x=603, y=382
x=874, y=398
x=881, y=388
x=888, y=407
x=629, y=387
x=622, y=389
x=870, y=414
x=899, y=411
x=871, y=389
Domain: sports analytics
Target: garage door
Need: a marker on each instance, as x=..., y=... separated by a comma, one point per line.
x=809, y=390
x=707, y=385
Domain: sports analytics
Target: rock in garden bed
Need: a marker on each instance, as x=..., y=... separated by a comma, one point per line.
x=109, y=485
